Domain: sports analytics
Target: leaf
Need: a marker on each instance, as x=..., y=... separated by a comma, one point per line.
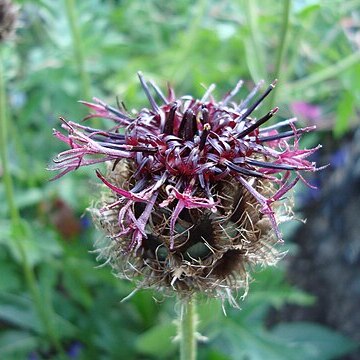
x=288, y=341
x=76, y=280
x=37, y=248
x=48, y=277
x=317, y=341
x=344, y=112
x=10, y=279
x=305, y=8
x=16, y=344
x=251, y=342
x=269, y=288
x=157, y=341
x=18, y=311
x=211, y=306
x=5, y=230
x=146, y=306
x=212, y=355
x=30, y=197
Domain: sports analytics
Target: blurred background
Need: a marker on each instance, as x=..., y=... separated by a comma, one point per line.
x=55, y=302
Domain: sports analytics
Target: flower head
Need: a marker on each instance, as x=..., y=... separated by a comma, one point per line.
x=194, y=187
x=8, y=18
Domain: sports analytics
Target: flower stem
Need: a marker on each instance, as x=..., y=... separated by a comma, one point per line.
x=78, y=49
x=18, y=231
x=9, y=191
x=188, y=320
x=281, y=47
x=253, y=46
x=180, y=68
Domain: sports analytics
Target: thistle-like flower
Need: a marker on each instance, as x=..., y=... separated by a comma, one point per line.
x=193, y=191
x=8, y=19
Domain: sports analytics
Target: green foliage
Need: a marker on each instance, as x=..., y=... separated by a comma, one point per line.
x=157, y=341
x=243, y=334
x=188, y=43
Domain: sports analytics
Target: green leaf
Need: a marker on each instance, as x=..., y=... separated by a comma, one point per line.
x=16, y=344
x=269, y=288
x=18, y=311
x=30, y=197
x=211, y=306
x=212, y=355
x=146, y=306
x=344, y=112
x=305, y=8
x=288, y=341
x=76, y=279
x=10, y=279
x=316, y=341
x=157, y=341
x=37, y=248
x=251, y=342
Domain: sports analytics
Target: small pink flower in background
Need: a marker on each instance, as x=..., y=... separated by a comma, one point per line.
x=306, y=110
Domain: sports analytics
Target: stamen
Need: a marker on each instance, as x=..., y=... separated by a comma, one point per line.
x=253, y=92
x=187, y=128
x=278, y=125
x=210, y=89
x=116, y=112
x=271, y=165
x=147, y=92
x=205, y=115
x=233, y=92
x=286, y=134
x=127, y=147
x=169, y=122
x=204, y=136
x=99, y=108
x=242, y=170
x=159, y=92
x=258, y=123
x=262, y=97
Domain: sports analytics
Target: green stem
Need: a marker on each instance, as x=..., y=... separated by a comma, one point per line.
x=17, y=226
x=9, y=190
x=178, y=72
x=188, y=320
x=256, y=57
x=44, y=311
x=78, y=49
x=281, y=47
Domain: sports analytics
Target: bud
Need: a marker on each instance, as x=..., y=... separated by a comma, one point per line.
x=8, y=19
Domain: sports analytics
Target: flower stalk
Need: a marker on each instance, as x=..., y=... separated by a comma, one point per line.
x=281, y=46
x=9, y=190
x=78, y=49
x=187, y=331
x=8, y=14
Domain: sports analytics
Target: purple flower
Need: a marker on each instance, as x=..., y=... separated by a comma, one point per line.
x=193, y=187
x=74, y=350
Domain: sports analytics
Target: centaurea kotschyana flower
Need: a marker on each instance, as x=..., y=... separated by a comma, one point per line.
x=193, y=191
